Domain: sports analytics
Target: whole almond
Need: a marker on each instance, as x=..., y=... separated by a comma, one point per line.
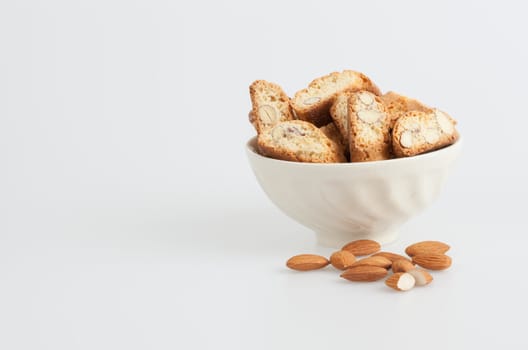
x=401, y=281
x=402, y=265
x=362, y=247
x=374, y=261
x=364, y=273
x=433, y=261
x=421, y=276
x=307, y=262
x=427, y=247
x=342, y=259
x=391, y=256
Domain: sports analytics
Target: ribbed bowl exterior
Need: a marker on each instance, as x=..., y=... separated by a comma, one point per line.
x=347, y=201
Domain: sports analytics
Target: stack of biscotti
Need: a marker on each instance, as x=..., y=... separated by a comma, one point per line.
x=344, y=117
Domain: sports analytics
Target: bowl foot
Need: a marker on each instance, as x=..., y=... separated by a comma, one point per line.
x=339, y=239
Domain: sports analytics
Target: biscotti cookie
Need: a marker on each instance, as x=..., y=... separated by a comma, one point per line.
x=418, y=132
x=313, y=103
x=330, y=130
x=270, y=105
x=369, y=128
x=339, y=114
x=299, y=141
x=397, y=105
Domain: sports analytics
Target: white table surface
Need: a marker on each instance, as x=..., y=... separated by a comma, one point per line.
x=129, y=216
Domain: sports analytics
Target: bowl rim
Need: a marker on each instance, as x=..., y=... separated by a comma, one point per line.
x=251, y=148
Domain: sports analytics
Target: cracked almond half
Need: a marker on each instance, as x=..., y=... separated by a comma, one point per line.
x=401, y=281
x=422, y=277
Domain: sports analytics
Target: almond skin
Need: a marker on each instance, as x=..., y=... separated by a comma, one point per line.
x=307, y=262
x=364, y=273
x=433, y=261
x=374, y=261
x=391, y=256
x=426, y=247
x=402, y=265
x=342, y=259
x=362, y=247
x=401, y=281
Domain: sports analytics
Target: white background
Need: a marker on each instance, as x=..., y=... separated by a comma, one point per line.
x=130, y=219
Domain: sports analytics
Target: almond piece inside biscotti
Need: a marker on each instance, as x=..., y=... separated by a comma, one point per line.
x=406, y=139
x=312, y=100
x=268, y=115
x=313, y=103
x=444, y=122
x=300, y=141
x=431, y=135
x=418, y=132
x=270, y=105
x=369, y=124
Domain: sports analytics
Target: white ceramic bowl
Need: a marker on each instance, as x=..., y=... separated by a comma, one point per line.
x=347, y=201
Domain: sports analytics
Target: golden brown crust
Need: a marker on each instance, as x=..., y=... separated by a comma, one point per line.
x=368, y=85
x=270, y=105
x=251, y=119
x=339, y=114
x=330, y=130
x=369, y=128
x=317, y=115
x=314, y=102
x=418, y=132
x=397, y=105
x=299, y=141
